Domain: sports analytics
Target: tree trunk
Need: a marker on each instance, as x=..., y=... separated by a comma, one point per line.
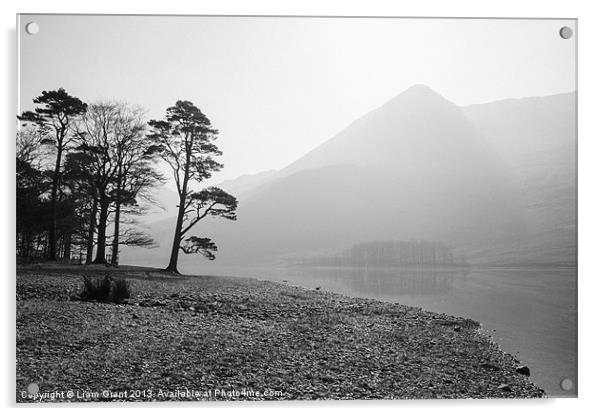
x=53, y=200
x=67, y=247
x=115, y=249
x=26, y=244
x=172, y=267
x=102, y=230
x=91, y=229
x=175, y=248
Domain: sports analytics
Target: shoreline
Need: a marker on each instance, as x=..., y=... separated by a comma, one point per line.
x=233, y=334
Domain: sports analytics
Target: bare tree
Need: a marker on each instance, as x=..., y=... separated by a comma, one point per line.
x=97, y=159
x=116, y=157
x=134, y=157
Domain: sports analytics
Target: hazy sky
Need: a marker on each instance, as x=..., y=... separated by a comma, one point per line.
x=278, y=87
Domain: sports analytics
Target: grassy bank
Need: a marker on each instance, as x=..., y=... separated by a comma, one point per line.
x=216, y=338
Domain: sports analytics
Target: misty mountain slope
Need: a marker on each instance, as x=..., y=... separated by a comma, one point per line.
x=548, y=199
x=418, y=167
x=416, y=123
x=517, y=128
x=246, y=184
x=537, y=139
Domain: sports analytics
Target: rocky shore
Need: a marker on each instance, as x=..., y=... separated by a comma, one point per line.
x=217, y=338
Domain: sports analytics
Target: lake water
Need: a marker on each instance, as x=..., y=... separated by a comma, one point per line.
x=530, y=313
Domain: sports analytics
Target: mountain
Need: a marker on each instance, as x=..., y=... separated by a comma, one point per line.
x=547, y=197
x=536, y=138
x=417, y=122
x=518, y=128
x=418, y=167
x=244, y=184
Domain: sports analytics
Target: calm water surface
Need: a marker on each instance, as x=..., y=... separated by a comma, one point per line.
x=531, y=313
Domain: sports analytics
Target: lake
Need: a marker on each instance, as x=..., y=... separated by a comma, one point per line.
x=530, y=313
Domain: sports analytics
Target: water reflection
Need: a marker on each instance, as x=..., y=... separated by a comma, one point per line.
x=382, y=281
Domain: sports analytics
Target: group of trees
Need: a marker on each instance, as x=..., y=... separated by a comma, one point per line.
x=86, y=171
x=388, y=254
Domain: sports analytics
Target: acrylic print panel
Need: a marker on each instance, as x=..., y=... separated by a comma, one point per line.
x=295, y=208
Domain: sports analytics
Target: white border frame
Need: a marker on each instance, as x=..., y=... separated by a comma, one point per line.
x=590, y=188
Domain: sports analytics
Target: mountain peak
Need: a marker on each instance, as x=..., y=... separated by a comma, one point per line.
x=417, y=98
x=420, y=90
x=420, y=87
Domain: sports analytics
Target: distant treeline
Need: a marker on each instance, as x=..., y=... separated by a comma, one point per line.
x=387, y=254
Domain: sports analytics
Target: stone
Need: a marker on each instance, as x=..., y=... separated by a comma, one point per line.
x=490, y=366
x=523, y=369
